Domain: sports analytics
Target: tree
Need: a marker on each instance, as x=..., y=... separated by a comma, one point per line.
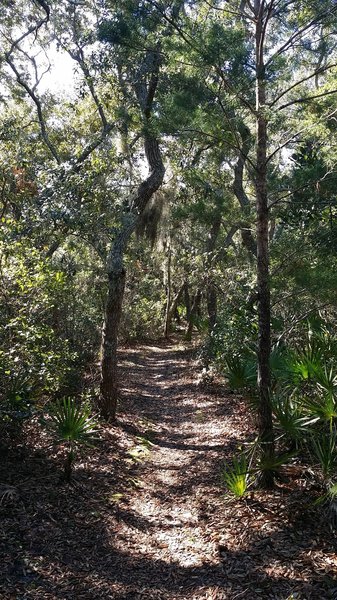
x=136, y=204
x=73, y=34
x=231, y=88
x=251, y=54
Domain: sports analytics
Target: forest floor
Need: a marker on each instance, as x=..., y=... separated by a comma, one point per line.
x=147, y=516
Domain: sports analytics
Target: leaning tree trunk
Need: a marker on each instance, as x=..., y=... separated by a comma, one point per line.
x=168, y=293
x=113, y=313
x=171, y=313
x=193, y=313
x=145, y=88
x=266, y=433
x=211, y=293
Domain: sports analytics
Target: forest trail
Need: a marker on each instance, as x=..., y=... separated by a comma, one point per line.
x=188, y=429
x=147, y=517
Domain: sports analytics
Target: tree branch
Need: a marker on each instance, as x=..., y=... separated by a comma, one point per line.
x=31, y=93
x=79, y=58
x=299, y=189
x=313, y=74
x=298, y=34
x=300, y=318
x=307, y=99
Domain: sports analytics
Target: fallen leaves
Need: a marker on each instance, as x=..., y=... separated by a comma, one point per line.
x=147, y=517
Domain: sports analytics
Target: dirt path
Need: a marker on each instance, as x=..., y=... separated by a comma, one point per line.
x=178, y=475
x=146, y=517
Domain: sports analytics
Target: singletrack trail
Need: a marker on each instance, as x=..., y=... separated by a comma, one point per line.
x=182, y=539
x=179, y=487
x=147, y=517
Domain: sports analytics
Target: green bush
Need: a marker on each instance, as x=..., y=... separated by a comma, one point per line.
x=324, y=448
x=236, y=476
x=290, y=418
x=72, y=426
x=240, y=372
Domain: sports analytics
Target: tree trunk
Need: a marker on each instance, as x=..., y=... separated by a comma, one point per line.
x=193, y=314
x=266, y=432
x=187, y=301
x=212, y=305
x=239, y=191
x=113, y=313
x=145, y=88
x=67, y=466
x=211, y=289
x=168, y=294
x=173, y=308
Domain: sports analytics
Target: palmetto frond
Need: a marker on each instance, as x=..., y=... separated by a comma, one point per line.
x=72, y=422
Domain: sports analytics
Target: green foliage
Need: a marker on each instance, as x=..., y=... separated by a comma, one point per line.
x=273, y=464
x=144, y=307
x=182, y=96
x=52, y=301
x=227, y=46
x=324, y=449
x=48, y=321
x=73, y=426
x=332, y=491
x=142, y=319
x=114, y=32
x=331, y=494
x=36, y=356
x=240, y=372
x=236, y=476
x=310, y=364
x=305, y=365
x=279, y=364
x=305, y=396
x=128, y=25
x=323, y=407
x=325, y=378
x=72, y=423
x=290, y=417
x=242, y=472
x=236, y=327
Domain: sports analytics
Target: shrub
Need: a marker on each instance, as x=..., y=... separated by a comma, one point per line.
x=73, y=426
x=324, y=448
x=236, y=476
x=290, y=418
x=240, y=372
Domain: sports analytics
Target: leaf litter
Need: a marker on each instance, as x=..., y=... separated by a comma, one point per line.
x=147, y=516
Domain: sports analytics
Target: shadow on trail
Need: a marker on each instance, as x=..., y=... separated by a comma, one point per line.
x=69, y=550
x=179, y=415
x=66, y=548
x=85, y=541
x=160, y=387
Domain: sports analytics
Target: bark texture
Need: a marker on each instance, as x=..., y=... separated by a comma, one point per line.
x=193, y=314
x=211, y=293
x=262, y=238
x=113, y=313
x=239, y=191
x=168, y=294
x=145, y=87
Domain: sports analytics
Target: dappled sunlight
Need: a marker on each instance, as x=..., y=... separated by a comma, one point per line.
x=147, y=516
x=168, y=277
